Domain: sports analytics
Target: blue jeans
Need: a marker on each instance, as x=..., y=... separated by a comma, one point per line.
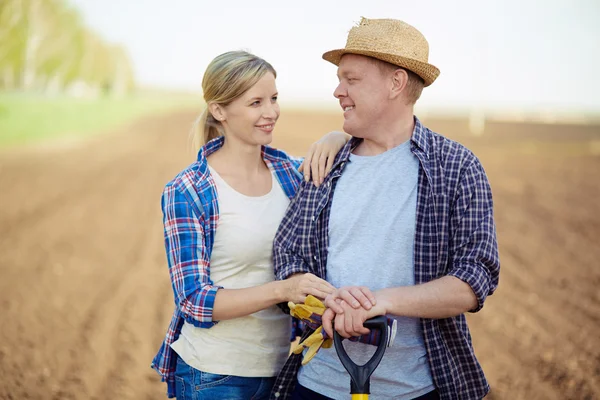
x=192, y=384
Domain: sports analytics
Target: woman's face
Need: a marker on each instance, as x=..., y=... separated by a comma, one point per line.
x=251, y=117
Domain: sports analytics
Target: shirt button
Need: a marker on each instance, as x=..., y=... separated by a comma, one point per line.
x=315, y=258
x=280, y=386
x=313, y=218
x=277, y=394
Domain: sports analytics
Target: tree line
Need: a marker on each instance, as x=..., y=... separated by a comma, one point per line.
x=46, y=47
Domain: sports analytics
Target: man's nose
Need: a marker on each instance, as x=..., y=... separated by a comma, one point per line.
x=340, y=91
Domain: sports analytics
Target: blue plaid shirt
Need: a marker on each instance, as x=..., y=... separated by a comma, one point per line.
x=190, y=216
x=455, y=235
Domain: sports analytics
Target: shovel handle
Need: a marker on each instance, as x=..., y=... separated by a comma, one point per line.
x=360, y=374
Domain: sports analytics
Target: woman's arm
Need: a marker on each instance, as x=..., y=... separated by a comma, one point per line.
x=235, y=303
x=193, y=289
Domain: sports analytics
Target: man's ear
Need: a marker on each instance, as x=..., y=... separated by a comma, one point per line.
x=217, y=111
x=399, y=82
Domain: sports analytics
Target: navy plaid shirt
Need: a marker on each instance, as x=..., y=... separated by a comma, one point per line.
x=455, y=235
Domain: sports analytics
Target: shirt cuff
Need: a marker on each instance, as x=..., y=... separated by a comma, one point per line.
x=207, y=303
x=477, y=278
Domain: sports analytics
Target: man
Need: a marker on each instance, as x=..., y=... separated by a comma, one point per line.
x=404, y=212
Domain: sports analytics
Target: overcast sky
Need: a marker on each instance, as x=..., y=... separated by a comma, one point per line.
x=497, y=53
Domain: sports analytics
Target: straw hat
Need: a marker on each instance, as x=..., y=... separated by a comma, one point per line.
x=392, y=41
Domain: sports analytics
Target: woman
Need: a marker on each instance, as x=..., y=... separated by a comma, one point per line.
x=220, y=217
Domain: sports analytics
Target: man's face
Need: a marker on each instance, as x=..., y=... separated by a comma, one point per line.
x=363, y=93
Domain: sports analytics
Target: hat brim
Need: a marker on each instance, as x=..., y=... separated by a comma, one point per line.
x=428, y=72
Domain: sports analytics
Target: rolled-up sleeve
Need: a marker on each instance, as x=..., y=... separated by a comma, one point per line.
x=189, y=266
x=473, y=246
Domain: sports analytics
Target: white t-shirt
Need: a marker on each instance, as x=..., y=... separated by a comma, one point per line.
x=256, y=345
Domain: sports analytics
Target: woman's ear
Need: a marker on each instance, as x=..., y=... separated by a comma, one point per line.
x=217, y=111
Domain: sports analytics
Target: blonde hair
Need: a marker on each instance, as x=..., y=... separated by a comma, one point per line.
x=227, y=77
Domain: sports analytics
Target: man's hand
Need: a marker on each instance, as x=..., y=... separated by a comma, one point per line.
x=355, y=296
x=350, y=321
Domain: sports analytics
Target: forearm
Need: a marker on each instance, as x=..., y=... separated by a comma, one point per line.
x=235, y=303
x=441, y=298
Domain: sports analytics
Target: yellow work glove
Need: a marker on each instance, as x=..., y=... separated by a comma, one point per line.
x=310, y=312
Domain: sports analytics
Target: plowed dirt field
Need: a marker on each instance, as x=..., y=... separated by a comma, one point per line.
x=84, y=288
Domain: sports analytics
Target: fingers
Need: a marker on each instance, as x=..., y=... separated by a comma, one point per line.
x=301, y=298
x=331, y=302
x=353, y=321
x=327, y=288
x=364, y=296
x=327, y=321
x=322, y=164
x=321, y=156
x=349, y=298
x=312, y=284
x=355, y=296
x=339, y=325
x=330, y=160
x=314, y=168
x=359, y=329
x=369, y=295
x=318, y=293
x=348, y=318
x=308, y=160
x=301, y=167
x=321, y=289
x=348, y=324
x=330, y=288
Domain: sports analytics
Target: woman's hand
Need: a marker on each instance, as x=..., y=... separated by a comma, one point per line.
x=298, y=286
x=320, y=156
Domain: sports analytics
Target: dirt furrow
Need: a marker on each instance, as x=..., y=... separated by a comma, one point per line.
x=85, y=292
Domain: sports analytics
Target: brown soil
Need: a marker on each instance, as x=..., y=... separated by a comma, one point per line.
x=86, y=299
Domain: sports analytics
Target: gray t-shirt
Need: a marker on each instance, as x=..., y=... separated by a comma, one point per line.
x=371, y=237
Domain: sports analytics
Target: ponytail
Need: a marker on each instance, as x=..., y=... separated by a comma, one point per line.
x=205, y=129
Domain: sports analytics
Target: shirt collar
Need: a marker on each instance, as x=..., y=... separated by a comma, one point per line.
x=210, y=147
x=268, y=153
x=419, y=138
